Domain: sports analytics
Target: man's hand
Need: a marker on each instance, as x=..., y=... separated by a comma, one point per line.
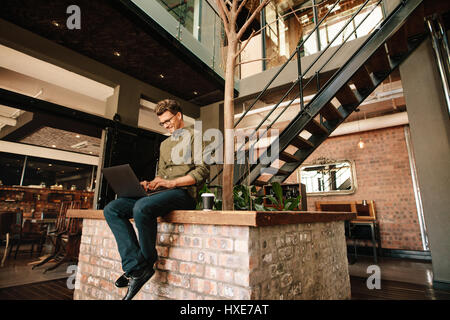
x=159, y=182
x=144, y=184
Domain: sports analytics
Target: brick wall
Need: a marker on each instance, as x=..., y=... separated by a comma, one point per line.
x=303, y=261
x=383, y=175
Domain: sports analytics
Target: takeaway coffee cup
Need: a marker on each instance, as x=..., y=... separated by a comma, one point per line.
x=208, y=201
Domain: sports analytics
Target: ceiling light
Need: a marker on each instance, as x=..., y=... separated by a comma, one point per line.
x=161, y=76
x=55, y=23
x=195, y=92
x=77, y=136
x=116, y=53
x=50, y=165
x=53, y=146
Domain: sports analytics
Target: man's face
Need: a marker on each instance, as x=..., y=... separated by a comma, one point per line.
x=171, y=122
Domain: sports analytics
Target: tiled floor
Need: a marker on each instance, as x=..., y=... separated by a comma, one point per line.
x=18, y=271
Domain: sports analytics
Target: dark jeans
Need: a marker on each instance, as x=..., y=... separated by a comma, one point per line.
x=142, y=254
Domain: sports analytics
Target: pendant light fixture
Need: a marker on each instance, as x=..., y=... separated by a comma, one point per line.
x=361, y=142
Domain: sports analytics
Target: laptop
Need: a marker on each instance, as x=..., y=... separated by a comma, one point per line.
x=125, y=183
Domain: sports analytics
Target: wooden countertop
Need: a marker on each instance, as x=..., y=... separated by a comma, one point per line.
x=234, y=218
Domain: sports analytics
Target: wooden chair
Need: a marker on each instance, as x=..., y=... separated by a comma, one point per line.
x=24, y=232
x=365, y=227
x=65, y=237
x=6, y=221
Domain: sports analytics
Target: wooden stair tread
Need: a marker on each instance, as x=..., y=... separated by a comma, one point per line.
x=276, y=171
x=316, y=128
x=301, y=143
x=330, y=113
x=287, y=157
x=259, y=183
x=398, y=43
x=346, y=96
x=362, y=80
x=378, y=63
x=415, y=25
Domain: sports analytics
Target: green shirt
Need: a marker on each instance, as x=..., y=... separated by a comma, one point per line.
x=179, y=157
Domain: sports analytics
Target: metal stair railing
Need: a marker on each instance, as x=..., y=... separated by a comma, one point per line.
x=299, y=81
x=315, y=104
x=265, y=89
x=301, y=74
x=442, y=53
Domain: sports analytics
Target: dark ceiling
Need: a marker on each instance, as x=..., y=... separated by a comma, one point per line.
x=108, y=26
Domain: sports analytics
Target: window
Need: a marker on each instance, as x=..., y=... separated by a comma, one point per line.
x=12, y=166
x=329, y=177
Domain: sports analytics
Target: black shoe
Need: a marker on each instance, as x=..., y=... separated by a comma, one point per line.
x=137, y=281
x=122, y=281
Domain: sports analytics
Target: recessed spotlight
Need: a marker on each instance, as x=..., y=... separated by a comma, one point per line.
x=56, y=23
x=53, y=146
x=50, y=165
x=195, y=92
x=116, y=53
x=161, y=76
x=90, y=152
x=77, y=136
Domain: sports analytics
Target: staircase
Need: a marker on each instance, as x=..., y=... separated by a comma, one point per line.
x=383, y=51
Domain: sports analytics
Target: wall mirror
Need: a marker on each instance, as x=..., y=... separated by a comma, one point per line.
x=328, y=177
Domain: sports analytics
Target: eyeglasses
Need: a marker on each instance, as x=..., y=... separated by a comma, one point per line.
x=163, y=124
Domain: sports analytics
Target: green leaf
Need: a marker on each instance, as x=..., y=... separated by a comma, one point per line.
x=278, y=192
x=287, y=206
x=293, y=203
x=259, y=207
x=218, y=205
x=273, y=200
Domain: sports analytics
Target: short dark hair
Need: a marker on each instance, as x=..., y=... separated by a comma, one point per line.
x=168, y=105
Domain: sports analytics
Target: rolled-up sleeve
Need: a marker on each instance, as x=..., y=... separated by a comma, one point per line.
x=200, y=172
x=161, y=164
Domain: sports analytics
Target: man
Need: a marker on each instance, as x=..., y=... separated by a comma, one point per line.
x=182, y=181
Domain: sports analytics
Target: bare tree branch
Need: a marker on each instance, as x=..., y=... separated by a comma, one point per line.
x=242, y=5
x=295, y=14
x=245, y=44
x=252, y=17
x=223, y=11
x=255, y=60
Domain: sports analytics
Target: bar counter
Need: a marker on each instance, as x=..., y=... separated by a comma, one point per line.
x=243, y=255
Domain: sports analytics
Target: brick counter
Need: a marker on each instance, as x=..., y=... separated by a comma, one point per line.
x=225, y=255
